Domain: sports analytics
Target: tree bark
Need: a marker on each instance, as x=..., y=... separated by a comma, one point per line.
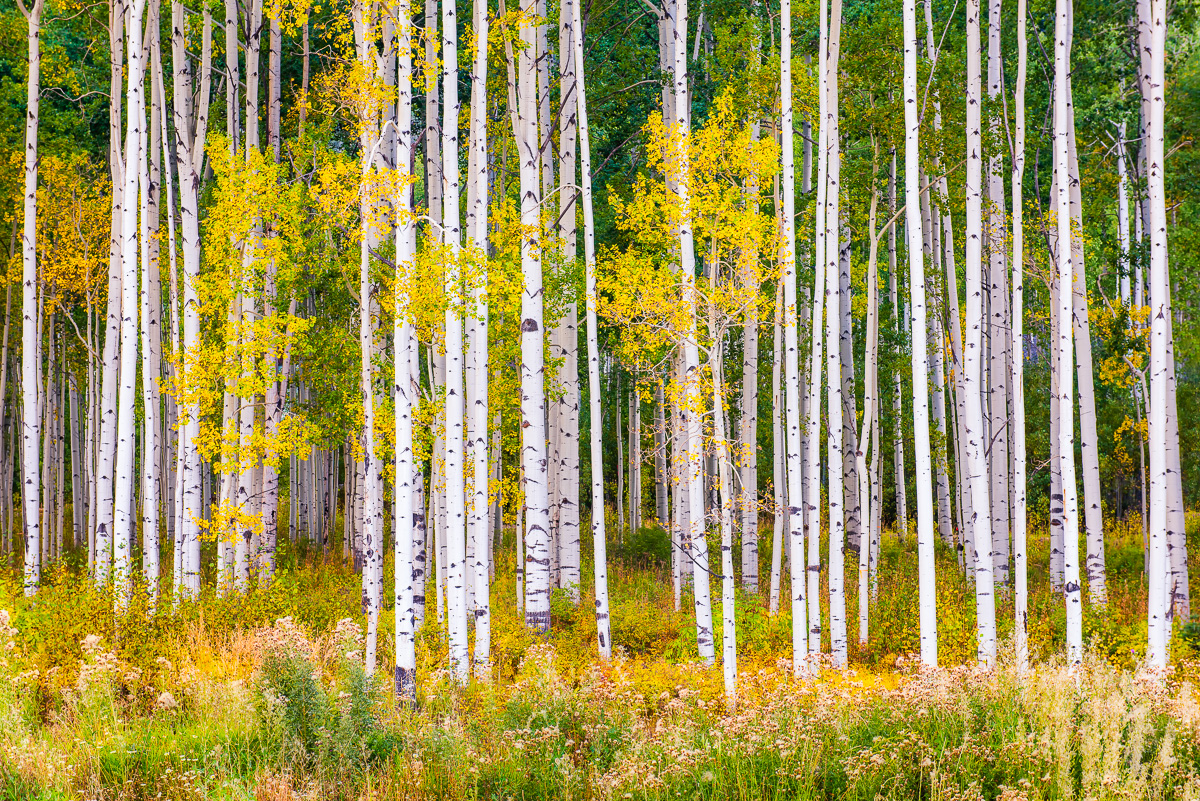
x=30, y=341
x=1064, y=333
x=974, y=433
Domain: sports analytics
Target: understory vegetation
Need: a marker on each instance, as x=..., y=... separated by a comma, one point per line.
x=264, y=696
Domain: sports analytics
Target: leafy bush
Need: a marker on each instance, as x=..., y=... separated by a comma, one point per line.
x=649, y=545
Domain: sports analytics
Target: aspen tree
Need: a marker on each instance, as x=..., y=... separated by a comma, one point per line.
x=681, y=129
x=599, y=538
x=870, y=401
x=747, y=449
x=456, y=586
x=407, y=500
x=995, y=381
x=477, y=345
x=1019, y=520
x=796, y=518
x=725, y=468
x=1064, y=335
x=567, y=411
x=150, y=302
x=955, y=325
x=778, y=463
x=974, y=434
x=1094, y=563
x=1124, y=280
x=920, y=349
x=373, y=140
x=812, y=493
x=190, y=132
x=249, y=500
x=1152, y=20
x=534, y=456
x=30, y=341
x=834, y=385
x=123, y=497
x=898, y=460
x=106, y=455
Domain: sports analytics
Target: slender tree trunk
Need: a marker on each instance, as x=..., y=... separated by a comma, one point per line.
x=996, y=292
x=801, y=665
x=812, y=499
x=455, y=536
x=190, y=133
x=898, y=460
x=974, y=432
x=30, y=341
x=1019, y=522
x=599, y=545
x=477, y=327
x=661, y=500
x=1094, y=563
x=534, y=456
x=1152, y=20
x=691, y=357
x=151, y=332
x=834, y=389
x=920, y=351
x=870, y=383
x=779, y=477
x=406, y=498
x=1064, y=333
x=728, y=589
x=112, y=337
x=123, y=516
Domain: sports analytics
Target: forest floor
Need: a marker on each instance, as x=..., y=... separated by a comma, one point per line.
x=263, y=696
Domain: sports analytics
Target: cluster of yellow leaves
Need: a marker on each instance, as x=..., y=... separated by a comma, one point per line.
x=1127, y=332
x=254, y=228
x=73, y=222
x=1129, y=435
x=736, y=241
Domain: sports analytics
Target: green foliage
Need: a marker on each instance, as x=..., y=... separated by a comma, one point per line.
x=649, y=545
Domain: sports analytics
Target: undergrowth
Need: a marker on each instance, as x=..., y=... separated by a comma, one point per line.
x=263, y=695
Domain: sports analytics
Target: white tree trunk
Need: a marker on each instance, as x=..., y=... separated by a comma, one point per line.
x=190, y=132
x=837, y=521
x=406, y=498
x=534, y=456
x=1153, y=31
x=372, y=496
x=691, y=356
x=1019, y=521
x=123, y=516
x=728, y=587
x=31, y=367
x=779, y=476
x=870, y=384
x=477, y=328
x=996, y=299
x=795, y=516
x=1126, y=267
x=599, y=545
x=151, y=332
x=1064, y=334
x=973, y=423
x=567, y=468
x=920, y=351
x=1094, y=564
x=112, y=337
x=898, y=460
x=812, y=491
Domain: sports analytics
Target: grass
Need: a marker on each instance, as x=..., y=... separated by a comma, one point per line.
x=263, y=696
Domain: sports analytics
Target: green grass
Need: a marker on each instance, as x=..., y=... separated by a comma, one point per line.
x=266, y=709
